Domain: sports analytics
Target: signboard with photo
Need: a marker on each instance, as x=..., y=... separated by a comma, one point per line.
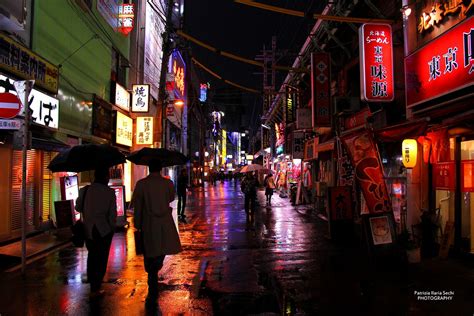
x=380, y=229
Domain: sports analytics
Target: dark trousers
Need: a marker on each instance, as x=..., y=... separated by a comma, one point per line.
x=97, y=258
x=152, y=266
x=250, y=202
x=181, y=203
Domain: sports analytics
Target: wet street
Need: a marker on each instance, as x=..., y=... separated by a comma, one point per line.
x=279, y=262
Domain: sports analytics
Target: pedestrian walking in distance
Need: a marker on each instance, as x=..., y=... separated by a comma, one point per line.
x=249, y=188
x=153, y=217
x=182, y=186
x=269, y=184
x=97, y=203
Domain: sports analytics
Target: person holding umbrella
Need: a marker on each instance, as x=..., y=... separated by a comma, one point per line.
x=249, y=188
x=152, y=212
x=97, y=203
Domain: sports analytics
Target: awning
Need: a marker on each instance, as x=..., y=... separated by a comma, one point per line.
x=402, y=131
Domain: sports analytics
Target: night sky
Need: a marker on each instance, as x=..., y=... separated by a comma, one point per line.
x=243, y=30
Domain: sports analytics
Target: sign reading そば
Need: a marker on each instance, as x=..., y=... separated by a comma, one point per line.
x=376, y=63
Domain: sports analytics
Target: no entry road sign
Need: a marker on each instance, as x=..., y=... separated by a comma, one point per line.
x=10, y=105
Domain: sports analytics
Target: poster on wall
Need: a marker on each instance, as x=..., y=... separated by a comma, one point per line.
x=444, y=175
x=368, y=171
x=376, y=63
x=380, y=229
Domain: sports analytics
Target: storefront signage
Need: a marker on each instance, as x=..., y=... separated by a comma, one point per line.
x=124, y=130
x=368, y=171
x=303, y=118
x=321, y=89
x=298, y=145
x=224, y=146
x=10, y=124
x=444, y=175
x=442, y=66
x=280, y=134
x=122, y=97
x=44, y=108
x=376, y=63
x=140, y=97
x=357, y=120
x=203, y=92
x=120, y=199
x=177, y=68
x=102, y=121
x=467, y=176
x=409, y=153
x=290, y=109
x=126, y=15
x=441, y=11
x=144, y=130
x=20, y=61
x=109, y=9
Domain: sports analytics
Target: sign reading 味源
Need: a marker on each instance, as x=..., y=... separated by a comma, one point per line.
x=376, y=63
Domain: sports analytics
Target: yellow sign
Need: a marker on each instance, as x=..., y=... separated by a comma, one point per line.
x=409, y=152
x=224, y=146
x=440, y=11
x=22, y=62
x=124, y=130
x=144, y=130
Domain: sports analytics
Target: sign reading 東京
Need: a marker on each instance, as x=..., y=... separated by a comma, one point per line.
x=444, y=65
x=140, y=97
x=376, y=63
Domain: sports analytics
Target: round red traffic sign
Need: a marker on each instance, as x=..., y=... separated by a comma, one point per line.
x=10, y=105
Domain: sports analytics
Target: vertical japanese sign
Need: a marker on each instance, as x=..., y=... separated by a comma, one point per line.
x=126, y=15
x=122, y=97
x=341, y=203
x=291, y=99
x=298, y=145
x=144, y=132
x=368, y=171
x=140, y=97
x=321, y=89
x=444, y=65
x=123, y=130
x=376, y=63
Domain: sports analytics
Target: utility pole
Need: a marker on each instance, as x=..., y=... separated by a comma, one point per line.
x=162, y=98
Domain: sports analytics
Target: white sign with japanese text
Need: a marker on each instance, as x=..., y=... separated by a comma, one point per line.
x=144, y=135
x=122, y=97
x=140, y=97
x=44, y=108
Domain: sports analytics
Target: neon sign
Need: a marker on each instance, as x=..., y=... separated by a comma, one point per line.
x=440, y=11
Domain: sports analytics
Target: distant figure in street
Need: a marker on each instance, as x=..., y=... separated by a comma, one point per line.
x=153, y=217
x=182, y=186
x=307, y=184
x=97, y=203
x=269, y=184
x=249, y=188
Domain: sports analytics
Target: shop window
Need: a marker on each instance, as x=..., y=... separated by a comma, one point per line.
x=16, y=189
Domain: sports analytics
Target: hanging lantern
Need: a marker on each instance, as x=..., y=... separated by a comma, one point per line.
x=409, y=152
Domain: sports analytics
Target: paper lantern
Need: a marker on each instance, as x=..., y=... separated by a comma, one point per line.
x=409, y=152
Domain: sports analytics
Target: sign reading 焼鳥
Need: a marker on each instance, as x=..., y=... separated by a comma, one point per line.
x=444, y=65
x=376, y=63
x=140, y=97
x=321, y=89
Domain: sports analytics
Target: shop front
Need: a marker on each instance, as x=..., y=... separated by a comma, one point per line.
x=441, y=185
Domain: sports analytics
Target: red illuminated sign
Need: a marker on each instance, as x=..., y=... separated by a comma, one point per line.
x=376, y=63
x=444, y=175
x=442, y=66
x=125, y=18
x=467, y=176
x=119, y=196
x=321, y=89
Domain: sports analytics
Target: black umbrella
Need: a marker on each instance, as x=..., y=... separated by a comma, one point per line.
x=167, y=157
x=86, y=157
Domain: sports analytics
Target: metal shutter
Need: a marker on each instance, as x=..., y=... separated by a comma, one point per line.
x=46, y=185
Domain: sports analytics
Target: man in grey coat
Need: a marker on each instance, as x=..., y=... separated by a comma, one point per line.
x=153, y=217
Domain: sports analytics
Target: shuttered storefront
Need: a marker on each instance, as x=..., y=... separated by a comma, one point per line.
x=46, y=184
